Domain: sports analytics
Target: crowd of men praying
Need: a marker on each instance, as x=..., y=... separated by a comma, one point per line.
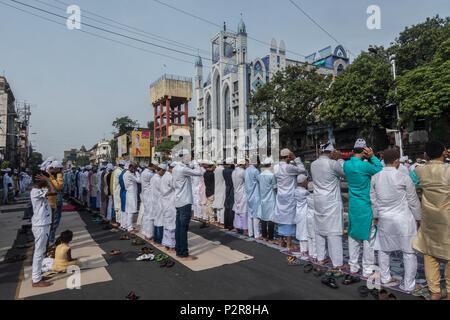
x=272, y=202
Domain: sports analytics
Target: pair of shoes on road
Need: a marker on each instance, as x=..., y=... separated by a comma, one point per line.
x=161, y=257
x=146, y=250
x=132, y=296
x=166, y=263
x=114, y=252
x=138, y=242
x=293, y=261
x=146, y=257
x=350, y=279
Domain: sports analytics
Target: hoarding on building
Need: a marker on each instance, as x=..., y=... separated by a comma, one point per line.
x=140, y=144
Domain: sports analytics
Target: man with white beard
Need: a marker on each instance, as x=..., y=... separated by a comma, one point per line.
x=327, y=172
x=148, y=220
x=131, y=178
x=286, y=208
x=396, y=212
x=219, y=193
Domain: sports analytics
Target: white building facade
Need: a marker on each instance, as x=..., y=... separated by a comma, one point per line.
x=223, y=126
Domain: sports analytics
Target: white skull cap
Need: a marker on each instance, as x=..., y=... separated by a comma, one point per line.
x=301, y=178
x=360, y=143
x=285, y=152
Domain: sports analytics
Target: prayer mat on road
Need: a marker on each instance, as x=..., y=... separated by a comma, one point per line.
x=210, y=254
x=68, y=207
x=84, y=248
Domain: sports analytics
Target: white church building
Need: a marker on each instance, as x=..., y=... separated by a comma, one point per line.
x=223, y=126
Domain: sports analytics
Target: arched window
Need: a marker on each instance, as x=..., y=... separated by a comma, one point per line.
x=208, y=113
x=340, y=68
x=218, y=102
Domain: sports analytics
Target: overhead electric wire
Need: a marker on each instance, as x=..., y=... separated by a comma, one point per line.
x=97, y=35
x=140, y=33
x=134, y=28
x=316, y=23
x=108, y=31
x=217, y=25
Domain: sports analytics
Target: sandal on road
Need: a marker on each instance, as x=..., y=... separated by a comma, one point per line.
x=349, y=279
x=292, y=261
x=124, y=237
x=163, y=263
x=170, y=264
x=114, y=252
x=307, y=268
x=138, y=242
x=363, y=291
x=319, y=271
x=160, y=257
x=146, y=257
x=330, y=282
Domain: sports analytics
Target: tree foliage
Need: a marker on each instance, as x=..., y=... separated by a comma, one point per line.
x=82, y=161
x=166, y=146
x=360, y=93
x=124, y=124
x=114, y=149
x=291, y=98
x=416, y=45
x=424, y=92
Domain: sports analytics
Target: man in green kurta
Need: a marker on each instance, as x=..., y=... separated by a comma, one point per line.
x=358, y=173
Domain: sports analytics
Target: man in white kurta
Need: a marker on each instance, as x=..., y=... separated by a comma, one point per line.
x=267, y=186
x=396, y=211
x=148, y=221
x=219, y=193
x=156, y=212
x=253, y=200
x=326, y=173
x=7, y=184
x=131, y=178
x=402, y=168
x=116, y=189
x=301, y=196
x=168, y=209
x=99, y=186
x=286, y=207
x=240, y=207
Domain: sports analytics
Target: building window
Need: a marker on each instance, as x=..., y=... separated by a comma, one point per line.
x=227, y=109
x=340, y=68
x=236, y=86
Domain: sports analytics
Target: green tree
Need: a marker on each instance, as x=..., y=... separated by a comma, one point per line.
x=82, y=161
x=291, y=98
x=5, y=165
x=424, y=92
x=151, y=125
x=416, y=45
x=124, y=124
x=360, y=94
x=166, y=146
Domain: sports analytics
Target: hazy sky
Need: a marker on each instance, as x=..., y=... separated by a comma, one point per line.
x=78, y=83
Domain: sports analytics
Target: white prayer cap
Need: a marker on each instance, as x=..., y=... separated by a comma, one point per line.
x=285, y=152
x=404, y=159
x=219, y=162
x=15, y=171
x=301, y=178
x=241, y=161
x=204, y=161
x=229, y=161
x=163, y=166
x=360, y=143
x=268, y=161
x=122, y=162
x=109, y=166
x=183, y=152
x=126, y=166
x=173, y=164
x=327, y=147
x=410, y=161
x=8, y=169
x=155, y=163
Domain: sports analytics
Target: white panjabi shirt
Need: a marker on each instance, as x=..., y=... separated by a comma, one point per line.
x=396, y=204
